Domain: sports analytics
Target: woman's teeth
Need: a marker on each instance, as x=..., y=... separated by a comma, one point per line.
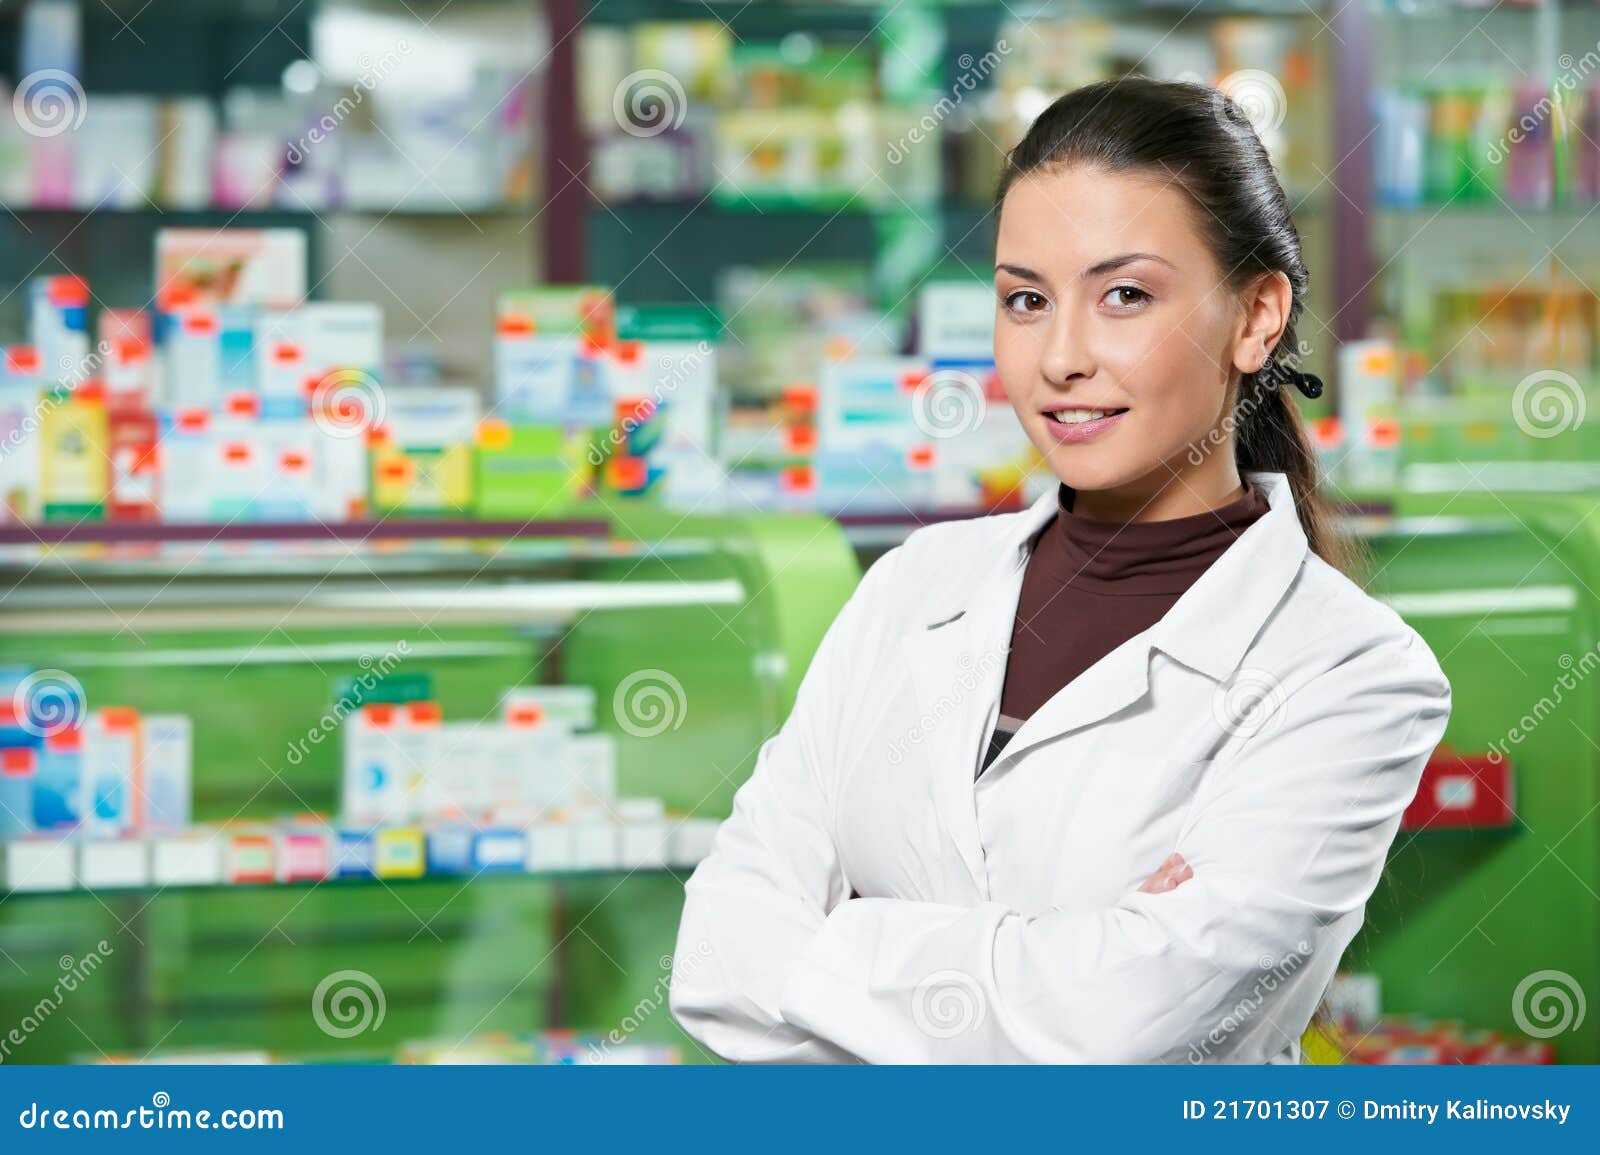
x=1079, y=416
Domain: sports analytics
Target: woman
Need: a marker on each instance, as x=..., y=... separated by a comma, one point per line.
x=1110, y=779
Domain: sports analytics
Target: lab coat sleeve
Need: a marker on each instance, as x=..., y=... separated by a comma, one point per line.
x=773, y=873
x=1287, y=839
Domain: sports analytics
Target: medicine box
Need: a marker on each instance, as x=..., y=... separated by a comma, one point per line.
x=399, y=852
x=111, y=742
x=168, y=757
x=19, y=769
x=264, y=267
x=189, y=858
x=645, y=834
x=551, y=847
x=385, y=759
x=38, y=864
x=304, y=854
x=354, y=854
x=58, y=324
x=74, y=454
x=530, y=706
x=596, y=843
x=692, y=839
x=528, y=470
x=955, y=320
x=248, y=857
x=550, y=354
x=457, y=848
x=105, y=864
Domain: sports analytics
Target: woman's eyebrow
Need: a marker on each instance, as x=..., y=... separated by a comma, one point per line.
x=1112, y=264
x=1020, y=272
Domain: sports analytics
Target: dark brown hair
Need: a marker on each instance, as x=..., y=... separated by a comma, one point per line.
x=1203, y=141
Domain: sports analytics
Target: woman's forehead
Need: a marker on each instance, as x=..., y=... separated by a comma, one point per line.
x=1071, y=218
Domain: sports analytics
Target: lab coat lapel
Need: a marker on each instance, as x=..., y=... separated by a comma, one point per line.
x=1208, y=628
x=958, y=665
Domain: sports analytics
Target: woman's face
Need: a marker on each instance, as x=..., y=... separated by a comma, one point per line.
x=1116, y=338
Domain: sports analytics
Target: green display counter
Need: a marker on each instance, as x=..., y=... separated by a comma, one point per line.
x=1500, y=927
x=249, y=641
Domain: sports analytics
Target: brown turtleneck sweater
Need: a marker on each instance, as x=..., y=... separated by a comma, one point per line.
x=1091, y=585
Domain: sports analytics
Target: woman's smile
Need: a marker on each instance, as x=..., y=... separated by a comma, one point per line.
x=1072, y=423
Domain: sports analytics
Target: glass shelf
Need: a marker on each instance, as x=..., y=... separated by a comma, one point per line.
x=111, y=532
x=51, y=607
x=152, y=888
x=208, y=560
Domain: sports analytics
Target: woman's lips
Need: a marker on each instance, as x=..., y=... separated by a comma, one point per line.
x=1081, y=430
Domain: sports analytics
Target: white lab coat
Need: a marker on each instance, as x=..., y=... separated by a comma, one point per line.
x=1271, y=728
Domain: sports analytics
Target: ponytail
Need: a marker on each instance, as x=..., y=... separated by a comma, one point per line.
x=1270, y=437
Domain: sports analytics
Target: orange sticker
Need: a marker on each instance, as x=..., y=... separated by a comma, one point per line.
x=494, y=433
x=202, y=321
x=1383, y=432
x=799, y=439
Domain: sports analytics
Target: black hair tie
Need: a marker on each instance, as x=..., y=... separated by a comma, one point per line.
x=1308, y=383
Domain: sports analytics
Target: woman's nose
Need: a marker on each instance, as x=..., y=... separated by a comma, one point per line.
x=1064, y=356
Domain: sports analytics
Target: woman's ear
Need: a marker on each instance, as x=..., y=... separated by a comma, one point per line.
x=1267, y=302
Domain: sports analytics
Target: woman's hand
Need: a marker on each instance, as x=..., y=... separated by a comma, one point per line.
x=1168, y=876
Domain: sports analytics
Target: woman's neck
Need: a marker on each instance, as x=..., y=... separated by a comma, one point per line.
x=1161, y=495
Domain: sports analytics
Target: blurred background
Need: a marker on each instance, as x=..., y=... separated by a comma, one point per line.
x=434, y=437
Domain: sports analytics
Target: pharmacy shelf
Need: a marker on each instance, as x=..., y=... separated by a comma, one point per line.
x=387, y=529
x=320, y=603
x=213, y=858
x=436, y=557
x=673, y=868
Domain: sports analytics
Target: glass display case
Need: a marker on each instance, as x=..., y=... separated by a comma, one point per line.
x=322, y=847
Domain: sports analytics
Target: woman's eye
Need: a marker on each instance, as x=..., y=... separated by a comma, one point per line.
x=1127, y=296
x=1025, y=301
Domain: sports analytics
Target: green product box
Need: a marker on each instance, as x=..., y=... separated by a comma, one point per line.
x=534, y=470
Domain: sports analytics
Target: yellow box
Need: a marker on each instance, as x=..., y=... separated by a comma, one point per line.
x=399, y=852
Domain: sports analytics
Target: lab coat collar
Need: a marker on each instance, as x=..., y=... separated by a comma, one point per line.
x=1214, y=621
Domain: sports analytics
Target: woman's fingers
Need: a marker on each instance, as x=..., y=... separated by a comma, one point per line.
x=1169, y=875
